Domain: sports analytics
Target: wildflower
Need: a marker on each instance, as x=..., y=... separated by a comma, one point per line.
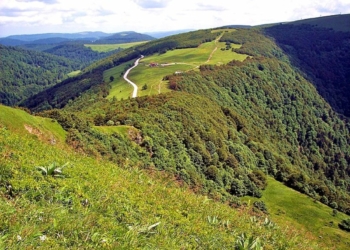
x=43, y=237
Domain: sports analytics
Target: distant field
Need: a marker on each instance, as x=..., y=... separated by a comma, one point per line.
x=110, y=47
x=286, y=205
x=180, y=60
x=120, y=88
x=74, y=73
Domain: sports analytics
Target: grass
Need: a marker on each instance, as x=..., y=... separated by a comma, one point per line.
x=177, y=60
x=98, y=205
x=286, y=205
x=120, y=88
x=74, y=73
x=110, y=47
x=22, y=123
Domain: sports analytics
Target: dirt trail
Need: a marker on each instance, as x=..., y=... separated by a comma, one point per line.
x=216, y=42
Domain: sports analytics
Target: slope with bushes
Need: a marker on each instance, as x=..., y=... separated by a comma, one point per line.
x=111, y=206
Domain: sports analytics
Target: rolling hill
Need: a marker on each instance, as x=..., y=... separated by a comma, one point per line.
x=236, y=115
x=320, y=48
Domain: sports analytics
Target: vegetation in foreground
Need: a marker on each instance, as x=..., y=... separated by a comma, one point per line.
x=95, y=204
x=286, y=205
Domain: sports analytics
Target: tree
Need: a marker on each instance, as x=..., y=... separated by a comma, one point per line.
x=111, y=78
x=144, y=87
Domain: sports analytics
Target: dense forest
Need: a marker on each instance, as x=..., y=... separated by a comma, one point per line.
x=76, y=51
x=227, y=127
x=24, y=73
x=124, y=37
x=323, y=55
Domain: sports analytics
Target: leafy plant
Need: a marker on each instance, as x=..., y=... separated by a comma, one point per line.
x=248, y=243
x=53, y=169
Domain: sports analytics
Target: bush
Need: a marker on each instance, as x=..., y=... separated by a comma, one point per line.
x=345, y=225
x=261, y=206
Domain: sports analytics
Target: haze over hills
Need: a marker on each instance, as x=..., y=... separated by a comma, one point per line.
x=84, y=37
x=255, y=119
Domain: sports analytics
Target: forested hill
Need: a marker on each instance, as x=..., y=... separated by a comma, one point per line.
x=59, y=95
x=320, y=49
x=124, y=37
x=24, y=73
x=225, y=128
x=78, y=52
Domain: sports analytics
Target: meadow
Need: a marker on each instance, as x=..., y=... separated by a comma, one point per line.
x=150, y=79
x=94, y=204
x=110, y=47
x=287, y=206
x=74, y=73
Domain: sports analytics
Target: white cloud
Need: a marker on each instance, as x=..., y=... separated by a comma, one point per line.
x=34, y=16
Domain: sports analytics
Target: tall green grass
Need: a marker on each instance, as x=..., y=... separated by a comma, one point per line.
x=98, y=205
x=286, y=205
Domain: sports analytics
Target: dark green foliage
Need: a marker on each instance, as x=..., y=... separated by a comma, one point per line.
x=124, y=37
x=261, y=206
x=345, y=225
x=77, y=52
x=226, y=127
x=323, y=55
x=24, y=73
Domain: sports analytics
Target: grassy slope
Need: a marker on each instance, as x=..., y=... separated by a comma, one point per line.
x=21, y=122
x=111, y=207
x=287, y=205
x=178, y=60
x=110, y=47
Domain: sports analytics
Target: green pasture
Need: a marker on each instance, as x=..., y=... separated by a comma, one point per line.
x=20, y=122
x=287, y=206
x=110, y=47
x=74, y=73
x=120, y=88
x=179, y=60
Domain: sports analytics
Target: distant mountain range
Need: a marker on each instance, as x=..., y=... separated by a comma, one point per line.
x=84, y=37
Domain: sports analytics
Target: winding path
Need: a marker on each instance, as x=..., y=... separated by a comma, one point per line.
x=134, y=93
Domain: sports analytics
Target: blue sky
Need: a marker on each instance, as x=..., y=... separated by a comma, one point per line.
x=69, y=16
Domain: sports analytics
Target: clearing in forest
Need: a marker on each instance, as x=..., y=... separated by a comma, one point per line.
x=110, y=47
x=149, y=74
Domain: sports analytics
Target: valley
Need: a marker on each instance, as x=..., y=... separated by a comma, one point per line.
x=231, y=138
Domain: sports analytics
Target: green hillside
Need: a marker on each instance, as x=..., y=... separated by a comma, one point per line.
x=113, y=207
x=336, y=22
x=124, y=37
x=24, y=73
x=320, y=48
x=219, y=112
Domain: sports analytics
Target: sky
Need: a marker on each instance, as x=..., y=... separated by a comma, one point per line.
x=112, y=16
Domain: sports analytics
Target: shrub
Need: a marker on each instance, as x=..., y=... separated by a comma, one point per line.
x=345, y=225
x=261, y=206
